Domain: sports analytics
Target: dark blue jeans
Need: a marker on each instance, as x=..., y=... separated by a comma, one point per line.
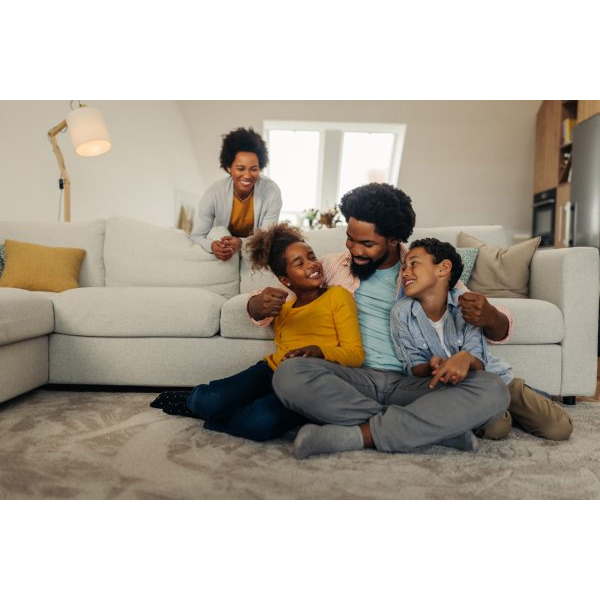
x=244, y=405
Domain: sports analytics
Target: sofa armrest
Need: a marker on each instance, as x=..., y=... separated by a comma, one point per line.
x=569, y=278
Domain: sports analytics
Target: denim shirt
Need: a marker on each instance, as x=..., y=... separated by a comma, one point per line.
x=416, y=341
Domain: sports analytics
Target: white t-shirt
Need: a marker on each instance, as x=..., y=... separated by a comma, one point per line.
x=439, y=329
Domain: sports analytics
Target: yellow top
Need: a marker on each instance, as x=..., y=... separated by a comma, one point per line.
x=330, y=322
x=241, y=222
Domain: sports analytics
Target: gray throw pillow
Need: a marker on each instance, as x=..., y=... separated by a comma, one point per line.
x=500, y=272
x=468, y=256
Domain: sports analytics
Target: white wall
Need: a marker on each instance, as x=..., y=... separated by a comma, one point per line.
x=151, y=159
x=464, y=162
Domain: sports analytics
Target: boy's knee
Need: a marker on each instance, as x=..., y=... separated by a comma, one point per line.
x=557, y=429
x=498, y=429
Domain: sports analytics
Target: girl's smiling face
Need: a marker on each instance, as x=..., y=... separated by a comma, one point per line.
x=304, y=272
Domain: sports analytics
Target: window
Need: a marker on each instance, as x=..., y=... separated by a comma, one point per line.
x=316, y=163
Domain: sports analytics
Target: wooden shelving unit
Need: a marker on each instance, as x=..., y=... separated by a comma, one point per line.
x=555, y=122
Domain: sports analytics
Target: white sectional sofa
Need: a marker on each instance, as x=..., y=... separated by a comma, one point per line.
x=154, y=309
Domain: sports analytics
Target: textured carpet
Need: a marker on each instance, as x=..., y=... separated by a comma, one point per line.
x=98, y=445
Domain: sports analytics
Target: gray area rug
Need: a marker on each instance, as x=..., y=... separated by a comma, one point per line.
x=99, y=445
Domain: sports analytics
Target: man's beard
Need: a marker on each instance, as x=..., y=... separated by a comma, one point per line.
x=365, y=271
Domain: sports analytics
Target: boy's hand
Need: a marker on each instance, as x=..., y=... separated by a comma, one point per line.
x=267, y=304
x=451, y=370
x=306, y=351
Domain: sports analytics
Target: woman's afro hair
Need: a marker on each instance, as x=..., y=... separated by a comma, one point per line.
x=266, y=248
x=243, y=140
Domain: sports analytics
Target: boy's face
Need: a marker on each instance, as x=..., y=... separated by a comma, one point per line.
x=419, y=273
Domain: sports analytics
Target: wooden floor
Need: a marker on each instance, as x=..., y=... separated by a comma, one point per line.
x=596, y=396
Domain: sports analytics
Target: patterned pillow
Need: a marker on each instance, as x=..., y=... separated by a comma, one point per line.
x=1, y=259
x=469, y=256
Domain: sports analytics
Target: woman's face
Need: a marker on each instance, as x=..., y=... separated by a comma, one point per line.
x=244, y=171
x=304, y=271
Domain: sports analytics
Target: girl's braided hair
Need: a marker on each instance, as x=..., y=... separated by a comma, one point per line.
x=266, y=248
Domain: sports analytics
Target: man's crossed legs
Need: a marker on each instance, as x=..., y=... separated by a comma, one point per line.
x=402, y=412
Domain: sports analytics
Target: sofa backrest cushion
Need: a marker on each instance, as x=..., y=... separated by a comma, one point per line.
x=490, y=234
x=86, y=235
x=326, y=241
x=141, y=254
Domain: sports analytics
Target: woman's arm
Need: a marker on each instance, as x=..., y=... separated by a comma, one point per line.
x=272, y=204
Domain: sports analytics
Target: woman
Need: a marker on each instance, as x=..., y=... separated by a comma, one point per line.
x=240, y=203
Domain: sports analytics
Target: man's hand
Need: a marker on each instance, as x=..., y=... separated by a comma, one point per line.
x=477, y=311
x=306, y=351
x=451, y=370
x=230, y=241
x=221, y=251
x=266, y=304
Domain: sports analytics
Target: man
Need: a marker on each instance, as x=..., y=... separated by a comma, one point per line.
x=379, y=405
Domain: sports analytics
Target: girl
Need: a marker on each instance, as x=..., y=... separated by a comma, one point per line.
x=315, y=322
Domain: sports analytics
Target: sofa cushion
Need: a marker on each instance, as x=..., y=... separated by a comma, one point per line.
x=86, y=235
x=491, y=234
x=41, y=268
x=140, y=254
x=24, y=315
x=536, y=321
x=138, y=312
x=501, y=272
x=236, y=324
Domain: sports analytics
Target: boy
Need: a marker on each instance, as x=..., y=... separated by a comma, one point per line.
x=431, y=336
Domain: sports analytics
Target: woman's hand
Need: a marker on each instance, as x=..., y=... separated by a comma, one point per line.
x=306, y=352
x=221, y=251
x=451, y=370
x=231, y=241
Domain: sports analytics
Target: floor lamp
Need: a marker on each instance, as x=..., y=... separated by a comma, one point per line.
x=89, y=136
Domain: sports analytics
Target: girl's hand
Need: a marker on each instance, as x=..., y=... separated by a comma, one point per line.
x=452, y=370
x=306, y=352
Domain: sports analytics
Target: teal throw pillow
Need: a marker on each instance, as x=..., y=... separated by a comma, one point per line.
x=1, y=258
x=469, y=256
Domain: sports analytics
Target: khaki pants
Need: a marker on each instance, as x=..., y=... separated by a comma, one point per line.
x=532, y=412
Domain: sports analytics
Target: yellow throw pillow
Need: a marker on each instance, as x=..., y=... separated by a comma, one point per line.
x=40, y=268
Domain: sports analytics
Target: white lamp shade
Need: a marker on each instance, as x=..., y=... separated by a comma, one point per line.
x=88, y=131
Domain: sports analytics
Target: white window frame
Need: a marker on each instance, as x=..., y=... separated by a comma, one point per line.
x=397, y=129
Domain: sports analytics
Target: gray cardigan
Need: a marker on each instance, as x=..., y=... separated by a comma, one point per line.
x=215, y=208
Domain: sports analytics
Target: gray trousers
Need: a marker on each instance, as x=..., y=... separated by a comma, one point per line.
x=403, y=413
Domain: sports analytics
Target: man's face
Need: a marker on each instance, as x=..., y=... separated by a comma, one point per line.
x=370, y=251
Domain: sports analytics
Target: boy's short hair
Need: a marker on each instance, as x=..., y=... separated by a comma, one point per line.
x=442, y=251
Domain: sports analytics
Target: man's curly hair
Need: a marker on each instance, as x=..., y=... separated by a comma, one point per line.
x=266, y=248
x=387, y=207
x=243, y=140
x=442, y=251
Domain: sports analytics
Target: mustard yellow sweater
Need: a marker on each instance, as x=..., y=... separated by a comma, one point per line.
x=330, y=322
